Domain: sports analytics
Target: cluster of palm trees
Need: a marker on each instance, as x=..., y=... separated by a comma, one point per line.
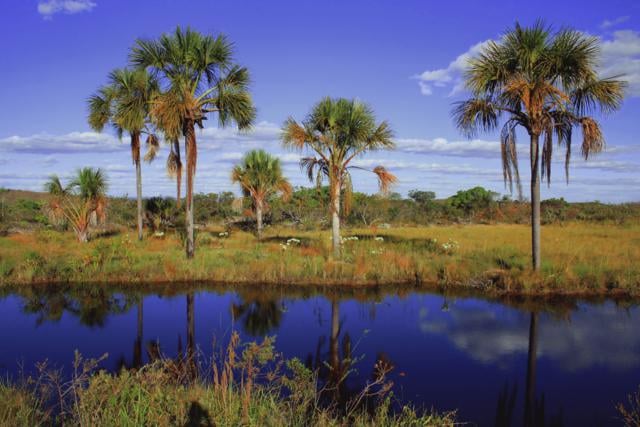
x=543, y=81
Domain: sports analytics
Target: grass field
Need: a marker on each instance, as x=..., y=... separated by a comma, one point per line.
x=577, y=258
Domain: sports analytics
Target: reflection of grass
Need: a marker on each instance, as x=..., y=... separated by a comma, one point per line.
x=248, y=385
x=577, y=258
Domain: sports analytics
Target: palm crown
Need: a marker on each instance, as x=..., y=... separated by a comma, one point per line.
x=339, y=131
x=545, y=82
x=124, y=103
x=199, y=77
x=260, y=175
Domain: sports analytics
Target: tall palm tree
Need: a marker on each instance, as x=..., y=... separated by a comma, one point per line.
x=199, y=77
x=260, y=177
x=124, y=103
x=339, y=131
x=546, y=83
x=91, y=185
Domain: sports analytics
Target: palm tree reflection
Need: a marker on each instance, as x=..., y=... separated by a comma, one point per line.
x=534, y=408
x=260, y=316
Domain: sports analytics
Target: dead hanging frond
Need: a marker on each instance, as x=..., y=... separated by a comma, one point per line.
x=592, y=137
x=174, y=168
x=385, y=179
x=285, y=189
x=135, y=148
x=509, y=151
x=563, y=126
x=100, y=207
x=547, y=154
x=153, y=147
x=172, y=165
x=315, y=169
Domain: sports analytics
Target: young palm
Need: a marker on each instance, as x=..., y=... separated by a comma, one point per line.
x=124, y=102
x=546, y=83
x=91, y=185
x=199, y=77
x=58, y=192
x=339, y=131
x=260, y=177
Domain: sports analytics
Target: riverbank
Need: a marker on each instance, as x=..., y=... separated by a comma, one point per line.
x=578, y=259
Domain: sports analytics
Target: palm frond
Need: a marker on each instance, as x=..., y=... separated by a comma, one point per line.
x=385, y=179
x=592, y=137
x=153, y=147
x=475, y=115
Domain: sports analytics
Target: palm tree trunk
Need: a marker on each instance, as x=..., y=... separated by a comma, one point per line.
x=83, y=236
x=176, y=149
x=335, y=217
x=191, y=154
x=530, y=390
x=259, y=218
x=135, y=151
x=535, y=202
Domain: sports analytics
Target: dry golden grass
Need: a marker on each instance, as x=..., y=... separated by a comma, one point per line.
x=577, y=258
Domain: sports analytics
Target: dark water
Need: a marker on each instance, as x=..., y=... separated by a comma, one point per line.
x=566, y=362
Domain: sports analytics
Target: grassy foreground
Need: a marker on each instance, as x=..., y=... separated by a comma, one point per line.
x=249, y=385
x=578, y=258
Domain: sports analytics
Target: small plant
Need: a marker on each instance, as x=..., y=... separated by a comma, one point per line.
x=450, y=247
x=630, y=412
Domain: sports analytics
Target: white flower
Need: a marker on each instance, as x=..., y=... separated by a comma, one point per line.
x=294, y=241
x=379, y=239
x=223, y=234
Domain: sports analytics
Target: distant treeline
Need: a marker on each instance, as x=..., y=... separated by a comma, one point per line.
x=308, y=207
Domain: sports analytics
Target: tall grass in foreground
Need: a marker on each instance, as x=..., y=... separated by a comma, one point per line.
x=248, y=385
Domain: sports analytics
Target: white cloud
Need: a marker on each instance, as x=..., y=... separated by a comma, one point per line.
x=50, y=7
x=596, y=335
x=442, y=77
x=44, y=143
x=613, y=22
x=442, y=146
x=621, y=57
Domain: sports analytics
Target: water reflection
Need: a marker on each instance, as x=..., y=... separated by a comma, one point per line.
x=260, y=315
x=519, y=362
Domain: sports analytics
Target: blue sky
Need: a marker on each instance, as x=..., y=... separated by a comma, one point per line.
x=402, y=57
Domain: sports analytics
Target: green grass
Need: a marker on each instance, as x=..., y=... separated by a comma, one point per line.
x=250, y=385
x=577, y=258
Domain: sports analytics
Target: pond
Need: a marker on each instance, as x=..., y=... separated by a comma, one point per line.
x=568, y=362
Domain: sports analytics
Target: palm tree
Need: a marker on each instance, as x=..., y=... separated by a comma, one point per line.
x=91, y=185
x=545, y=82
x=339, y=131
x=260, y=177
x=198, y=75
x=124, y=102
x=81, y=202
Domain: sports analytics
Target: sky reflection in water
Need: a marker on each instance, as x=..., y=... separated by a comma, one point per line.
x=448, y=353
